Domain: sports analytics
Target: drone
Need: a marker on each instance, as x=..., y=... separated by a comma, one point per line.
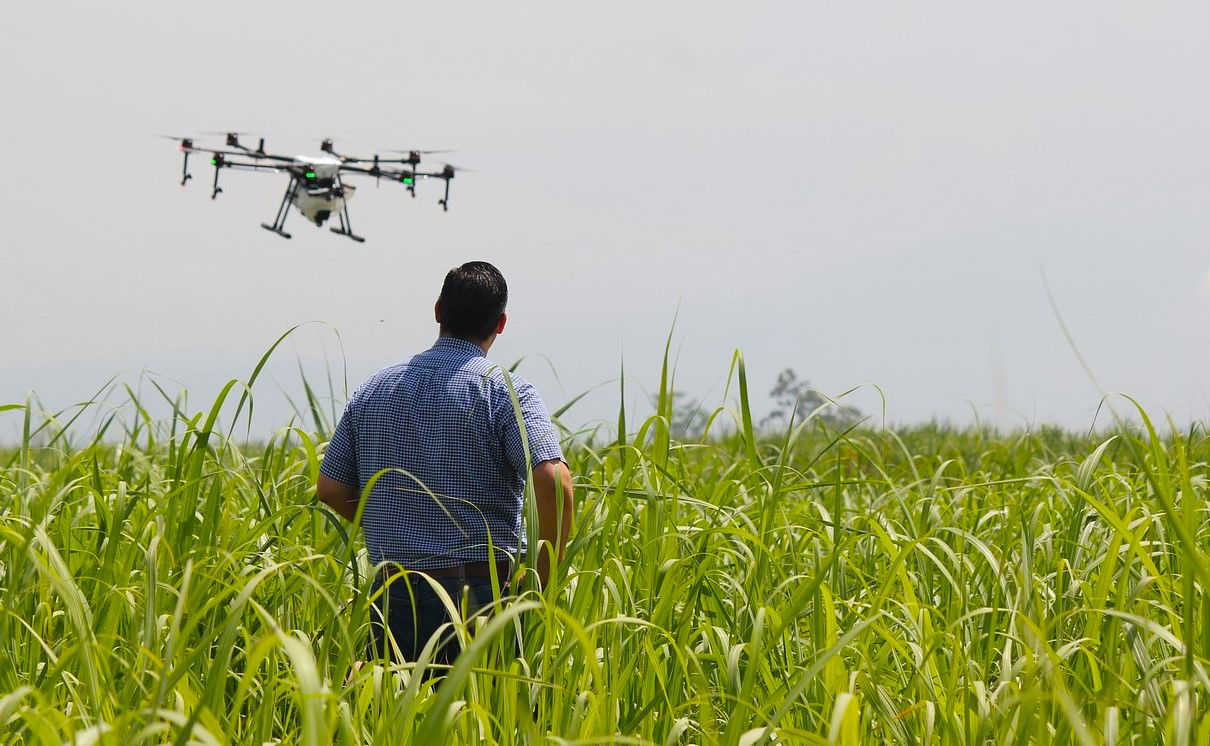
x=317, y=187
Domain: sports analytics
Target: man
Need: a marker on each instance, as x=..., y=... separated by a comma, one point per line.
x=440, y=433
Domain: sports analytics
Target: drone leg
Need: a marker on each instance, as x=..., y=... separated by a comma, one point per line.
x=279, y=220
x=445, y=201
x=284, y=209
x=346, y=225
x=216, y=190
x=185, y=175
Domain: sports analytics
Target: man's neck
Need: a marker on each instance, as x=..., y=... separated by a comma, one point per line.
x=484, y=344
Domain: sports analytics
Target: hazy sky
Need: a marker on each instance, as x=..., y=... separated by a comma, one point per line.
x=865, y=192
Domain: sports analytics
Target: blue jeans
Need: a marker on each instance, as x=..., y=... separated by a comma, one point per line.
x=414, y=617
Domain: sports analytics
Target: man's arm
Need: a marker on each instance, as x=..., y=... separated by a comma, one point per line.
x=338, y=496
x=338, y=472
x=552, y=488
x=551, y=478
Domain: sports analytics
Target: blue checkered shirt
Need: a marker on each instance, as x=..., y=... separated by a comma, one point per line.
x=441, y=428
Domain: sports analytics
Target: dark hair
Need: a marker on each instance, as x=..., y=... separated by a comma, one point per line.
x=472, y=298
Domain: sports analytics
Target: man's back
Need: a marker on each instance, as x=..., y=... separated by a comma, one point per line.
x=437, y=441
x=442, y=430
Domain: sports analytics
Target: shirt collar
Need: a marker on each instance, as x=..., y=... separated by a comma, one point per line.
x=455, y=345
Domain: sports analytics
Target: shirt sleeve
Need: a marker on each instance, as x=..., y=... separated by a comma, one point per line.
x=542, y=436
x=340, y=459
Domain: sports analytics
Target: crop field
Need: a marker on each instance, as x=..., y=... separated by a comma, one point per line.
x=163, y=580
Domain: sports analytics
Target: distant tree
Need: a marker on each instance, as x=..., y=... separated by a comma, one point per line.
x=689, y=417
x=793, y=395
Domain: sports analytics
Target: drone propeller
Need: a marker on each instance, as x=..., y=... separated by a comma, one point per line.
x=328, y=146
x=451, y=169
x=226, y=133
x=414, y=156
x=185, y=142
x=233, y=138
x=186, y=146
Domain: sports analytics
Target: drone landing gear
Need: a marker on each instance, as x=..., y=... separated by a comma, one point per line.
x=445, y=201
x=185, y=175
x=346, y=225
x=350, y=234
x=279, y=221
x=278, y=231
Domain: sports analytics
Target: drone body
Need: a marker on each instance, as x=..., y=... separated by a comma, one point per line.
x=322, y=199
x=317, y=186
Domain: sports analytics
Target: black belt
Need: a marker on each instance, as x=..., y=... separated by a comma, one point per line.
x=468, y=570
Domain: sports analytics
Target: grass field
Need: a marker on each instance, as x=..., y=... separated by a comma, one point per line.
x=167, y=583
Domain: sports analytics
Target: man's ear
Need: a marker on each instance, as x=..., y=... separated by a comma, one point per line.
x=501, y=322
x=437, y=311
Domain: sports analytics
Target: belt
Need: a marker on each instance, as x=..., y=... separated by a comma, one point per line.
x=468, y=570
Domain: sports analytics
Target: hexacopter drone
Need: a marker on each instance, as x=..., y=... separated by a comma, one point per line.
x=316, y=187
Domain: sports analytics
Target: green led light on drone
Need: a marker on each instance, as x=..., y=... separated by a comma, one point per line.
x=310, y=174
x=214, y=161
x=408, y=180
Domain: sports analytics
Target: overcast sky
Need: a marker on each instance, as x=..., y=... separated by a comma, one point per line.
x=869, y=193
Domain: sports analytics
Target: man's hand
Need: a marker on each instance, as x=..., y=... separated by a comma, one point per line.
x=338, y=496
x=552, y=488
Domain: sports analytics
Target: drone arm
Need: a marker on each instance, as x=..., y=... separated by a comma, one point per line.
x=242, y=152
x=258, y=155
x=408, y=178
x=255, y=166
x=219, y=161
x=389, y=173
x=346, y=168
x=350, y=159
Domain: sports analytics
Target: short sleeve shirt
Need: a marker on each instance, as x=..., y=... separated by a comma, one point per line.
x=439, y=437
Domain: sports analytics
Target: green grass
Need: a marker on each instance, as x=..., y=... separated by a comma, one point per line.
x=163, y=582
